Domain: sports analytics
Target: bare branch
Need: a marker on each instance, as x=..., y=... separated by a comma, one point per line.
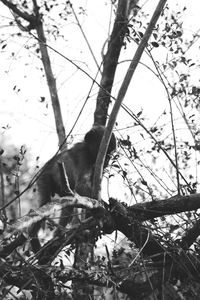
x=123, y=89
x=173, y=205
x=50, y=77
x=13, y=7
x=36, y=23
x=3, y=216
x=110, y=61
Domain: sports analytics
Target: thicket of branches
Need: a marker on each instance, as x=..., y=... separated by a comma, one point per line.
x=160, y=259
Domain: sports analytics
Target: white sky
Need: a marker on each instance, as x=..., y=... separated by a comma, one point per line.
x=30, y=122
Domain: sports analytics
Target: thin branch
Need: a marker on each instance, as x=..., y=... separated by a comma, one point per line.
x=172, y=123
x=13, y=7
x=2, y=195
x=123, y=89
x=84, y=36
x=50, y=77
x=35, y=21
x=175, y=146
x=157, y=143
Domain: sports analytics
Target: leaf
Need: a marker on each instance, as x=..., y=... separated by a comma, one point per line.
x=144, y=182
x=153, y=129
x=155, y=44
x=140, y=33
x=124, y=174
x=125, y=142
x=155, y=36
x=172, y=228
x=179, y=33
x=115, y=166
x=139, y=114
x=42, y=99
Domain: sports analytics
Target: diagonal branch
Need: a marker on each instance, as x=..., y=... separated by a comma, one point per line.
x=110, y=61
x=174, y=205
x=13, y=7
x=123, y=89
x=190, y=236
x=50, y=77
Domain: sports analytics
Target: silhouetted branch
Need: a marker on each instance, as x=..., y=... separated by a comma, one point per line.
x=176, y=204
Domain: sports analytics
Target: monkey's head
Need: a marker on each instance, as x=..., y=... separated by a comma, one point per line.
x=93, y=140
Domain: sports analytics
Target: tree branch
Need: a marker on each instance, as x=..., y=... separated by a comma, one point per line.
x=35, y=21
x=110, y=61
x=123, y=89
x=44, y=211
x=50, y=77
x=13, y=7
x=127, y=220
x=176, y=204
x=190, y=236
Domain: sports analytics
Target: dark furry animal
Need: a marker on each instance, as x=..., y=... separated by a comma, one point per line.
x=79, y=162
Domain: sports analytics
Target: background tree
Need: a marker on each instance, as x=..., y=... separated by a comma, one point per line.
x=14, y=175
x=157, y=159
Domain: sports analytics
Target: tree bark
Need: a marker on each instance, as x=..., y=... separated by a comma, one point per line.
x=121, y=94
x=50, y=77
x=110, y=61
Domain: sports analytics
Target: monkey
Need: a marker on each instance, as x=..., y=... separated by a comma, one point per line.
x=79, y=162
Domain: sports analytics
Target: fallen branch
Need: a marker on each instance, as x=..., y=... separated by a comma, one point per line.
x=127, y=220
x=57, y=204
x=176, y=204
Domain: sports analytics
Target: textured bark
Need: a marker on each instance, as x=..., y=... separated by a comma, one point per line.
x=110, y=61
x=50, y=77
x=176, y=204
